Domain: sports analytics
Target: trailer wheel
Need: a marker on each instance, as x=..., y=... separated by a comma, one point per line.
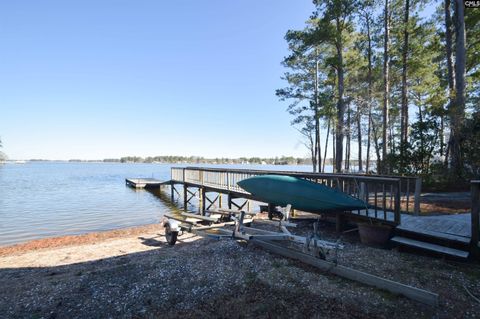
x=170, y=236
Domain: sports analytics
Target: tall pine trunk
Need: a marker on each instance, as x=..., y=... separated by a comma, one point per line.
x=359, y=137
x=450, y=70
x=404, y=108
x=376, y=137
x=326, y=145
x=340, y=103
x=386, y=83
x=369, y=97
x=457, y=110
x=348, y=136
x=317, y=114
x=441, y=134
x=333, y=148
x=449, y=47
x=319, y=163
x=316, y=167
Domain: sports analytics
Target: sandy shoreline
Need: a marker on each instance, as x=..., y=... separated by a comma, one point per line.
x=82, y=239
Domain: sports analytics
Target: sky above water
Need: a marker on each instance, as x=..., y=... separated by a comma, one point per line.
x=99, y=79
x=104, y=79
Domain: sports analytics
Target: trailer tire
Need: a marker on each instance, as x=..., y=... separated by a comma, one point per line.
x=170, y=236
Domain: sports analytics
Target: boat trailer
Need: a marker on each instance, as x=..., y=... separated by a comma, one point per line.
x=214, y=225
x=312, y=250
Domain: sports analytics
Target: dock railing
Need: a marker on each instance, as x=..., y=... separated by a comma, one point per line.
x=388, y=196
x=475, y=217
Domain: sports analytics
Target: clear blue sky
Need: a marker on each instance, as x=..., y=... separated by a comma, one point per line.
x=98, y=79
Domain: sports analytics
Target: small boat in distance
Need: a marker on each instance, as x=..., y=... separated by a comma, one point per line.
x=303, y=195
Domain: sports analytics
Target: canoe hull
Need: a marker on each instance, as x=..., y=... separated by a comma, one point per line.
x=301, y=194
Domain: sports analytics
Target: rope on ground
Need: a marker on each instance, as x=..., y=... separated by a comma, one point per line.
x=471, y=295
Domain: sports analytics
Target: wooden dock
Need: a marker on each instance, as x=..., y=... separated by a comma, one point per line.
x=145, y=182
x=458, y=233
x=384, y=193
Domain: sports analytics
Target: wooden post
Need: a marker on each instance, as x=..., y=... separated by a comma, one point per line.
x=172, y=191
x=361, y=192
x=229, y=201
x=384, y=198
x=475, y=215
x=185, y=196
x=219, y=200
x=397, y=210
x=202, y=194
x=418, y=191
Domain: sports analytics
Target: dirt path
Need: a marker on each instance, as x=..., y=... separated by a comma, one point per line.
x=135, y=274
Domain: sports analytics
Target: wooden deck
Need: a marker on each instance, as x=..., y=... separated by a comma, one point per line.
x=451, y=227
x=145, y=182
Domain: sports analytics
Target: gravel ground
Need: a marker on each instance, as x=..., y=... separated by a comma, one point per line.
x=137, y=275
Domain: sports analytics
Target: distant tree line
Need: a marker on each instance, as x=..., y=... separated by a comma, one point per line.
x=405, y=89
x=284, y=160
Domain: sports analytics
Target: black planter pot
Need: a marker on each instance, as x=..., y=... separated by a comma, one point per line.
x=375, y=235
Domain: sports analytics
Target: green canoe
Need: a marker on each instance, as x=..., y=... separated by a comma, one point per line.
x=301, y=194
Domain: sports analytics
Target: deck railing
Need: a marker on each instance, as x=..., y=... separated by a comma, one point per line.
x=475, y=216
x=387, y=195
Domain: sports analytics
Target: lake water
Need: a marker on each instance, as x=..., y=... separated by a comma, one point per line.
x=44, y=199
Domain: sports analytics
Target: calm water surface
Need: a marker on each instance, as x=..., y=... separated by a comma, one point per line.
x=44, y=199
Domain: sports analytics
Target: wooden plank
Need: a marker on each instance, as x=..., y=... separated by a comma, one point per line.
x=435, y=234
x=430, y=247
x=413, y=293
